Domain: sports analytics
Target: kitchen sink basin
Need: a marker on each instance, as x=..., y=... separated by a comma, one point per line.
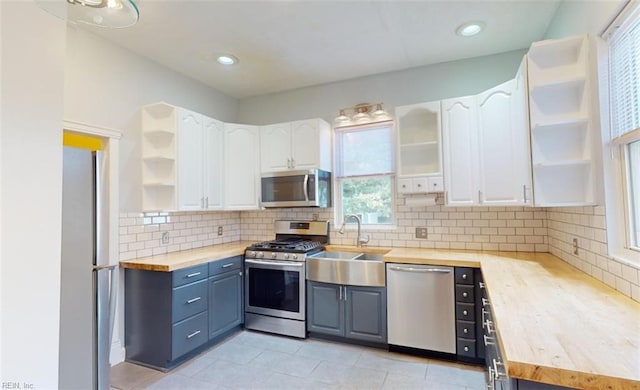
x=336, y=255
x=369, y=256
x=348, y=268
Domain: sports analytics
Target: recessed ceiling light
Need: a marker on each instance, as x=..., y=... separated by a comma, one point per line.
x=227, y=59
x=470, y=29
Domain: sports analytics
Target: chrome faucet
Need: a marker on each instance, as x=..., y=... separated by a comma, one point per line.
x=360, y=241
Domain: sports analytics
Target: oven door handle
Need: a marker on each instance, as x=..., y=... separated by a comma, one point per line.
x=305, y=188
x=283, y=263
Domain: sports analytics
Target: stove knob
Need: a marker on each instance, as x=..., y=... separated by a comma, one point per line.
x=274, y=255
x=260, y=254
x=286, y=255
x=295, y=257
x=252, y=254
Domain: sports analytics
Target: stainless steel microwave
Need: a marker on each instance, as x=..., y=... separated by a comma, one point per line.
x=304, y=188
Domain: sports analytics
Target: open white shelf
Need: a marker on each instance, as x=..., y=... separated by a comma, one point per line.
x=560, y=104
x=159, y=127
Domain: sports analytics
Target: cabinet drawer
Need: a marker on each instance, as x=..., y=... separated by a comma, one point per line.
x=405, y=186
x=466, y=347
x=419, y=185
x=464, y=275
x=189, y=334
x=466, y=329
x=464, y=293
x=188, y=300
x=436, y=184
x=189, y=275
x=225, y=265
x=465, y=311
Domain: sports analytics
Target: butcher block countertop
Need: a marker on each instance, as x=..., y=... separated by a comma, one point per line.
x=555, y=324
x=182, y=259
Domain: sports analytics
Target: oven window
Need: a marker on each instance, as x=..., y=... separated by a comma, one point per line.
x=285, y=188
x=274, y=289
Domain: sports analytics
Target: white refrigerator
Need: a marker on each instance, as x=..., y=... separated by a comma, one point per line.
x=86, y=278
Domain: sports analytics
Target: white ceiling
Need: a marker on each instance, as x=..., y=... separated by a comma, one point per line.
x=284, y=45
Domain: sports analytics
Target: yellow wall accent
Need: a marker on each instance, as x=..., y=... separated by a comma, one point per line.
x=81, y=141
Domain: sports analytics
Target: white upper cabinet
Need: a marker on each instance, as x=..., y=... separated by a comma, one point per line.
x=242, y=167
x=460, y=133
x=295, y=145
x=487, y=147
x=503, y=140
x=190, y=161
x=213, y=143
x=182, y=161
x=419, y=148
x=563, y=128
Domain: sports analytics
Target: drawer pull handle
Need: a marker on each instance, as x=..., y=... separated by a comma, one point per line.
x=193, y=275
x=488, y=340
x=197, y=332
x=466, y=349
x=196, y=299
x=485, y=302
x=227, y=265
x=489, y=326
x=465, y=330
x=464, y=294
x=481, y=285
x=464, y=312
x=464, y=276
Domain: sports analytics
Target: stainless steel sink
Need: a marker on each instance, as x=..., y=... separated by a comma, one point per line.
x=369, y=257
x=348, y=268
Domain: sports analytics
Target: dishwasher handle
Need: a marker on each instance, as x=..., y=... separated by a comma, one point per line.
x=421, y=270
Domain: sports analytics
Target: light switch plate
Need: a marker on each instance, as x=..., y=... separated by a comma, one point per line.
x=421, y=232
x=165, y=238
x=219, y=230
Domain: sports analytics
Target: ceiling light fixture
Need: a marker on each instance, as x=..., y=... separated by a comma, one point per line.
x=100, y=13
x=470, y=29
x=363, y=113
x=227, y=59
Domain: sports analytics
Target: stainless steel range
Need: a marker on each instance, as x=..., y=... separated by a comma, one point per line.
x=275, y=271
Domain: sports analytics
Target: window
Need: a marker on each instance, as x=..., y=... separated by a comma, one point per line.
x=365, y=173
x=622, y=170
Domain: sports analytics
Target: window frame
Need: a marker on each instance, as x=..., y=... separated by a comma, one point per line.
x=615, y=156
x=338, y=179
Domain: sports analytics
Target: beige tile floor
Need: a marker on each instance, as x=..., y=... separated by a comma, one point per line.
x=253, y=360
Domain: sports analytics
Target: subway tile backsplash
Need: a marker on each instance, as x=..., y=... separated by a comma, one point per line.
x=588, y=226
x=473, y=228
x=141, y=233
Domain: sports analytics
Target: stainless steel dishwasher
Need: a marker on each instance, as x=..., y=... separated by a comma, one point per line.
x=421, y=307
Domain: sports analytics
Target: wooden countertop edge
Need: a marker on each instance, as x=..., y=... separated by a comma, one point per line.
x=568, y=378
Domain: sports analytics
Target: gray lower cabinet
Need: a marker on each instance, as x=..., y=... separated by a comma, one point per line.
x=171, y=315
x=165, y=314
x=225, y=300
x=352, y=312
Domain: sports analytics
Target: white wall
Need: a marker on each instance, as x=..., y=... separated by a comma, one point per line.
x=422, y=84
x=105, y=85
x=32, y=90
x=579, y=17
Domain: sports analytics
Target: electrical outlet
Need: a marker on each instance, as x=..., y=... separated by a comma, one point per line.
x=575, y=246
x=421, y=232
x=165, y=238
x=219, y=230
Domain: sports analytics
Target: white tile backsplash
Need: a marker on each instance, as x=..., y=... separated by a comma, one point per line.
x=587, y=224
x=471, y=228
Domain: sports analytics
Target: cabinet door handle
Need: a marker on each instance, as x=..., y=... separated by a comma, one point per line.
x=289, y=162
x=196, y=299
x=524, y=192
x=479, y=196
x=193, y=275
x=293, y=163
x=227, y=265
x=197, y=332
x=345, y=293
x=340, y=287
x=206, y=202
